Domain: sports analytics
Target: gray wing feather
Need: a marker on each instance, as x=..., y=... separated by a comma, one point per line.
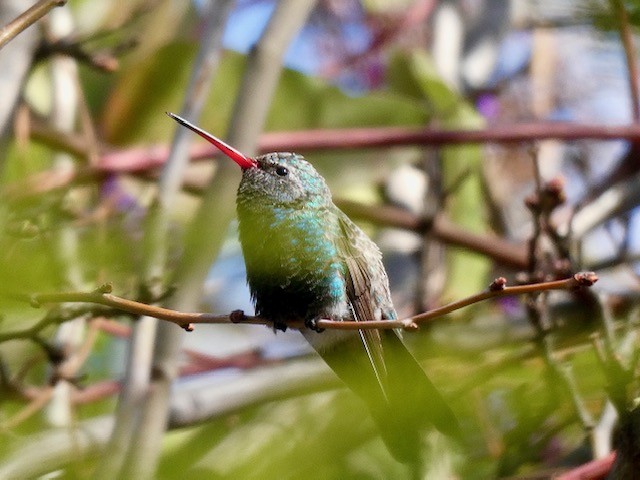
x=394, y=365
x=367, y=290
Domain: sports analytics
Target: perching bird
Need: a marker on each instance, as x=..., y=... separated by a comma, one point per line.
x=306, y=260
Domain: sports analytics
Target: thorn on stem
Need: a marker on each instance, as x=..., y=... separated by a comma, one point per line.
x=187, y=327
x=498, y=284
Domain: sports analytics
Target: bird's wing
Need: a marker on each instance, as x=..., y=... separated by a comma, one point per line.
x=367, y=290
x=404, y=383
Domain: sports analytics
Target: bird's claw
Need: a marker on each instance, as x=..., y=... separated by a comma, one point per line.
x=280, y=326
x=312, y=324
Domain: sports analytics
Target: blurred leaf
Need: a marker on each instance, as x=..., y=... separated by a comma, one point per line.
x=148, y=88
x=604, y=17
x=306, y=102
x=143, y=92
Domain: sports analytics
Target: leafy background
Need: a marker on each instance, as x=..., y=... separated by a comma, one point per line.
x=246, y=403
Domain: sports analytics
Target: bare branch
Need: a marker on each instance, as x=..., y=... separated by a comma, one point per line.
x=103, y=61
x=582, y=279
x=143, y=158
x=504, y=252
x=34, y=406
x=325, y=139
x=28, y=18
x=187, y=320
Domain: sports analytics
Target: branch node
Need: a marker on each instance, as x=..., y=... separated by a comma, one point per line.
x=237, y=316
x=498, y=284
x=554, y=190
x=188, y=327
x=410, y=326
x=34, y=302
x=585, y=279
x=104, y=288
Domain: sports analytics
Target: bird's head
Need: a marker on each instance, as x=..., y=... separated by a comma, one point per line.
x=275, y=178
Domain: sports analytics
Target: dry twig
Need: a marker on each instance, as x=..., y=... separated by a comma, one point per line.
x=28, y=18
x=187, y=320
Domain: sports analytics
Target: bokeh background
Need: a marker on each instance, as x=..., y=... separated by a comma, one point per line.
x=472, y=139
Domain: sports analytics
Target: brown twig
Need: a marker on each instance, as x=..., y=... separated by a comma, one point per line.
x=34, y=406
x=52, y=318
x=323, y=139
x=144, y=158
x=103, y=296
x=186, y=320
x=497, y=289
x=26, y=19
x=103, y=61
x=504, y=252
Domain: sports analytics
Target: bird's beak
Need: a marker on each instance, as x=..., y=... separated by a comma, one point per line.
x=240, y=158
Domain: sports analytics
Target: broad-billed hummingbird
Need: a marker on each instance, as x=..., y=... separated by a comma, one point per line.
x=306, y=260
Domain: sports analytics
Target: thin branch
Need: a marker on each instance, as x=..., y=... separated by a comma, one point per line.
x=616, y=200
x=186, y=320
x=103, y=61
x=103, y=296
x=324, y=139
x=143, y=158
x=34, y=406
x=497, y=289
x=52, y=318
x=28, y=18
x=504, y=252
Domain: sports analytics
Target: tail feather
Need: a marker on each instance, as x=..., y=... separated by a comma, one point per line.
x=409, y=403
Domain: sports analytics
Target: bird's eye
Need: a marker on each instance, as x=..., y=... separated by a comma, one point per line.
x=282, y=171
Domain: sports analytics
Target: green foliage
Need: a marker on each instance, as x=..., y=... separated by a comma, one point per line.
x=604, y=17
x=141, y=93
x=498, y=388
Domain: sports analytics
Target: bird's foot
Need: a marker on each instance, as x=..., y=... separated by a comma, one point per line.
x=312, y=324
x=280, y=326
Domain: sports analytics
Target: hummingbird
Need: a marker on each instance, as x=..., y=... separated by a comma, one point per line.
x=305, y=261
